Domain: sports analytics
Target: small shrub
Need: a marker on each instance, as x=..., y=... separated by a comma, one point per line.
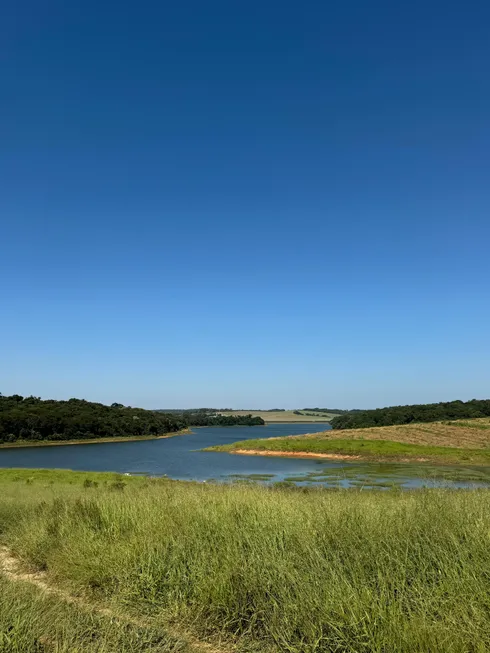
x=117, y=485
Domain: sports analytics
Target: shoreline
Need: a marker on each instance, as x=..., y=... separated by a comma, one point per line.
x=368, y=458
x=130, y=438
x=58, y=443
x=293, y=454
x=329, y=456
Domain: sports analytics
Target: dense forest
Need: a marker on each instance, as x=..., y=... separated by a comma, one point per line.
x=31, y=418
x=449, y=410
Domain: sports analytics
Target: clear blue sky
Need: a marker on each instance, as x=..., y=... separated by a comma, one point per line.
x=247, y=204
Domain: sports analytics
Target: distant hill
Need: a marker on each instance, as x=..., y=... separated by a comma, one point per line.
x=392, y=415
x=282, y=415
x=337, y=411
x=268, y=414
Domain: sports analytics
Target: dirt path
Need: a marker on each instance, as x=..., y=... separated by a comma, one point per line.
x=11, y=568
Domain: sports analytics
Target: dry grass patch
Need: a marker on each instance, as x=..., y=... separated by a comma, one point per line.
x=464, y=434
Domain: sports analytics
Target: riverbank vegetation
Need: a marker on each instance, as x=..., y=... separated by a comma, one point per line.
x=30, y=419
x=180, y=567
x=449, y=410
x=446, y=442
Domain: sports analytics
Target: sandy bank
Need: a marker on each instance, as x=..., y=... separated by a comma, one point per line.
x=329, y=456
x=294, y=454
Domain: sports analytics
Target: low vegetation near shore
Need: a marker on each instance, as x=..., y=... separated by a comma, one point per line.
x=137, y=564
x=451, y=442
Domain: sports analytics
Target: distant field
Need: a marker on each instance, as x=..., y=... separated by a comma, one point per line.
x=283, y=416
x=464, y=440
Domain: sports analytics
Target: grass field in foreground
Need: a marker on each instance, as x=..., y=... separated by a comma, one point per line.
x=285, y=416
x=451, y=442
x=243, y=567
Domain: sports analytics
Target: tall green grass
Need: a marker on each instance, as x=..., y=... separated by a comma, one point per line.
x=274, y=569
x=34, y=622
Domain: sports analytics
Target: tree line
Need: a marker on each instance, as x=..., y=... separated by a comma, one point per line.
x=31, y=418
x=392, y=415
x=340, y=411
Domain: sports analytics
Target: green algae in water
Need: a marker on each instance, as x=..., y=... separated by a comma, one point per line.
x=371, y=475
x=393, y=475
x=252, y=477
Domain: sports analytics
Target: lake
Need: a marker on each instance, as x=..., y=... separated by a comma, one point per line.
x=180, y=458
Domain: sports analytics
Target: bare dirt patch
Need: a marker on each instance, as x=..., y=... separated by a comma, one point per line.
x=309, y=454
x=294, y=454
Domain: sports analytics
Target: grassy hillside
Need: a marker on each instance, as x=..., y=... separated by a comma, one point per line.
x=285, y=416
x=106, y=563
x=452, y=442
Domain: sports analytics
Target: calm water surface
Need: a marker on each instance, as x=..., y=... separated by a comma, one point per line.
x=180, y=458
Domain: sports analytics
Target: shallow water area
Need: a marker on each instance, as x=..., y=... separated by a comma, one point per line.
x=393, y=475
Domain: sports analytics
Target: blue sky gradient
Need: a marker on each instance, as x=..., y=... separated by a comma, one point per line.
x=245, y=204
